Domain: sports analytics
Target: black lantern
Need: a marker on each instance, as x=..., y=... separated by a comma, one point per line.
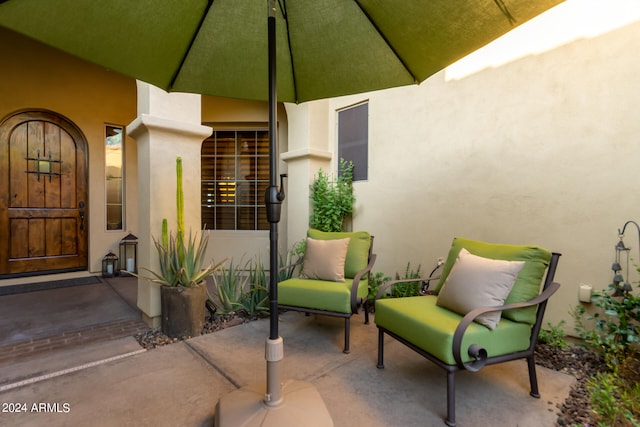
x=110, y=265
x=129, y=255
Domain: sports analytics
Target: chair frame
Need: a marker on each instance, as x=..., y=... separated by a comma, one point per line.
x=480, y=354
x=355, y=301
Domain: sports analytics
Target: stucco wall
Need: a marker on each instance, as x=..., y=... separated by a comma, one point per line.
x=37, y=77
x=539, y=151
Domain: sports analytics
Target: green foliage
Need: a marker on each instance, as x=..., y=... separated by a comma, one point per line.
x=332, y=202
x=229, y=283
x=285, y=264
x=616, y=326
x=377, y=279
x=241, y=289
x=614, y=400
x=255, y=301
x=554, y=335
x=407, y=289
x=181, y=262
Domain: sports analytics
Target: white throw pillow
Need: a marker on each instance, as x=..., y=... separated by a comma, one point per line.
x=478, y=282
x=324, y=259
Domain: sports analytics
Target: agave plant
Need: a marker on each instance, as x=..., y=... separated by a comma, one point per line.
x=181, y=261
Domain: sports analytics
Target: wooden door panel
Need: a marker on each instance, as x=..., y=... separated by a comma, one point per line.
x=44, y=211
x=53, y=236
x=17, y=166
x=36, y=238
x=19, y=248
x=69, y=171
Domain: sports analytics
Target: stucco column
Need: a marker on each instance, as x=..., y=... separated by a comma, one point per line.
x=168, y=126
x=308, y=152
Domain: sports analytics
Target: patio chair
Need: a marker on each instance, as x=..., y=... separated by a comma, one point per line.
x=333, y=278
x=487, y=308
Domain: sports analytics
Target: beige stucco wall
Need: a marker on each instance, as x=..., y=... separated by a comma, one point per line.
x=539, y=151
x=37, y=77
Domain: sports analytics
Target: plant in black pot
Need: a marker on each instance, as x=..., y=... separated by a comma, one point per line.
x=182, y=274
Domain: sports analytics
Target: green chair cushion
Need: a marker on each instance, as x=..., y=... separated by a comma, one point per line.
x=319, y=294
x=357, y=253
x=528, y=282
x=430, y=327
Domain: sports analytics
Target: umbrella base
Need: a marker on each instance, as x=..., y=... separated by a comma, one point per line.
x=301, y=405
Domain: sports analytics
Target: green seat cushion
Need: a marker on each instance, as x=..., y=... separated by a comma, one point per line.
x=430, y=327
x=528, y=282
x=357, y=252
x=319, y=294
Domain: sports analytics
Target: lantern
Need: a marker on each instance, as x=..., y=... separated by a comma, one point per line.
x=129, y=255
x=110, y=265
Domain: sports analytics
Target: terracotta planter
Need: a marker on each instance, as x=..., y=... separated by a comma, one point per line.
x=183, y=310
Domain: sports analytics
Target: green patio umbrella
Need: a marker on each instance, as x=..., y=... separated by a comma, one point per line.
x=232, y=48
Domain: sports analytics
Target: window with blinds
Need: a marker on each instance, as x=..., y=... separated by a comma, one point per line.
x=235, y=174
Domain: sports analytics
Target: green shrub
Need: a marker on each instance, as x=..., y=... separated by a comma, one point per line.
x=332, y=202
x=613, y=332
x=377, y=279
x=554, y=335
x=614, y=400
x=407, y=289
x=616, y=326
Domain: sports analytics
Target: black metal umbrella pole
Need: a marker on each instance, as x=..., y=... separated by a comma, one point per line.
x=303, y=404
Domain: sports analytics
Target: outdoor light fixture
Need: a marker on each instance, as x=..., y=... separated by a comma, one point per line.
x=110, y=265
x=622, y=286
x=128, y=255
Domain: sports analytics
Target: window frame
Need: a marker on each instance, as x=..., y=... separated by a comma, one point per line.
x=354, y=150
x=210, y=200
x=111, y=204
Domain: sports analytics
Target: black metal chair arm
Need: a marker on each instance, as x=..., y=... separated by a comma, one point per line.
x=383, y=288
x=476, y=351
x=356, y=282
x=291, y=267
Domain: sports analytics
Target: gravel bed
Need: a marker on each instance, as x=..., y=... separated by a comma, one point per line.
x=582, y=364
x=155, y=338
x=575, y=361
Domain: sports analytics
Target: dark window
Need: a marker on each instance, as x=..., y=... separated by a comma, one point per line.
x=353, y=139
x=235, y=174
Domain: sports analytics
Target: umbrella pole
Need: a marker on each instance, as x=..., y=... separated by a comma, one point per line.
x=250, y=405
x=273, y=200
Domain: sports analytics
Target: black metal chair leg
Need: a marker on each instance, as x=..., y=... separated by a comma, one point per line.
x=347, y=323
x=366, y=312
x=380, y=349
x=533, y=378
x=451, y=399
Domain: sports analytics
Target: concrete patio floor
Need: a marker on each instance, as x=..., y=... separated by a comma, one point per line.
x=116, y=383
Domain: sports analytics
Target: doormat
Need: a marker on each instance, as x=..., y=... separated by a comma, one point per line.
x=43, y=286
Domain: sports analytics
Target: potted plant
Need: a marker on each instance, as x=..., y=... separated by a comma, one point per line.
x=182, y=274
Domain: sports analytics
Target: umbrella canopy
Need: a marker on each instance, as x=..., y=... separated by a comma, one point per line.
x=325, y=48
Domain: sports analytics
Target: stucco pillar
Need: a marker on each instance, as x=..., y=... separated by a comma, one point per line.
x=168, y=125
x=308, y=151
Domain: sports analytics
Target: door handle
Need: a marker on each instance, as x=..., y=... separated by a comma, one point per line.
x=81, y=205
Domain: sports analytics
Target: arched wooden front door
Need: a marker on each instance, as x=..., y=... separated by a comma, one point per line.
x=43, y=194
